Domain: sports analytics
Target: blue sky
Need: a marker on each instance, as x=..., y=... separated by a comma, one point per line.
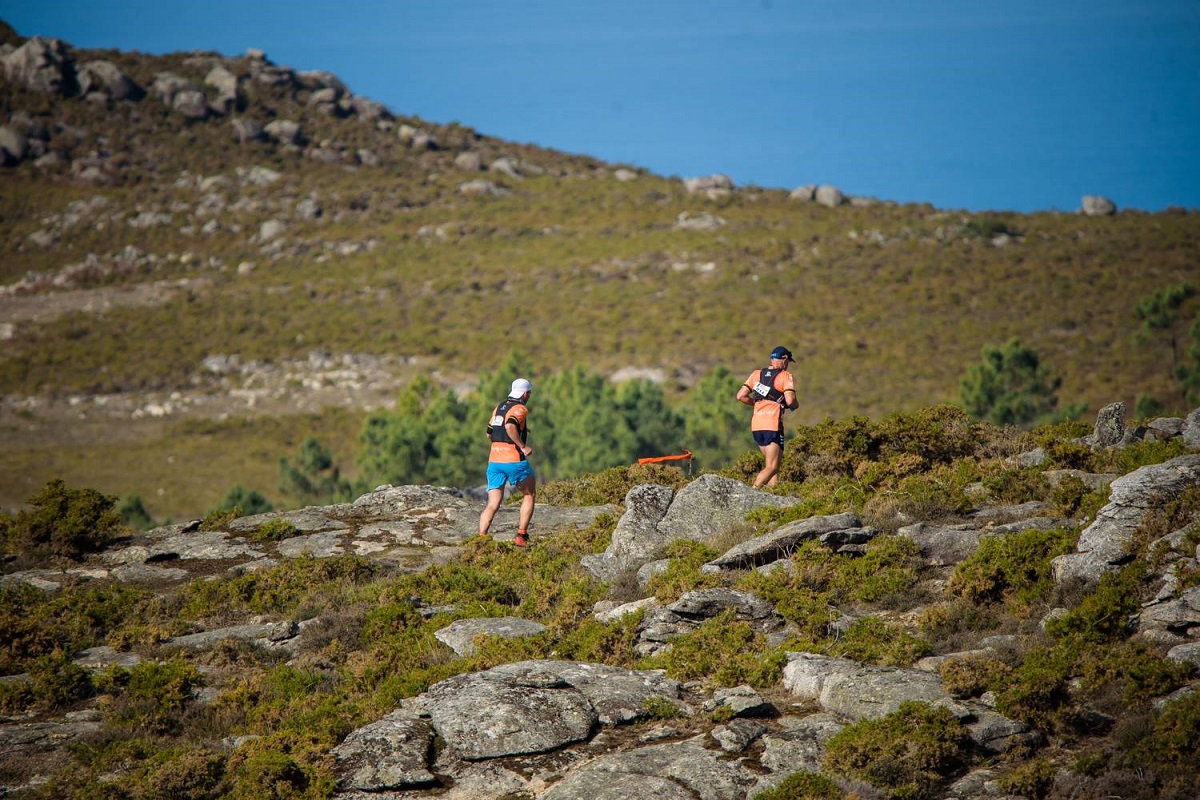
x=1017, y=105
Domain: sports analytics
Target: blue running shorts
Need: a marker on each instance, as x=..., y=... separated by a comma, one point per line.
x=499, y=473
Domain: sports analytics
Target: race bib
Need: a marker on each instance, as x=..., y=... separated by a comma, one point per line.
x=762, y=389
x=497, y=420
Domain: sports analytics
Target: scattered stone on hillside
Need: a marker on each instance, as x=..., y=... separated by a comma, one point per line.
x=625, y=175
x=369, y=110
x=226, y=84
x=738, y=734
x=266, y=633
x=326, y=155
x=798, y=746
x=1110, y=426
x=1092, y=481
x=482, y=188
x=742, y=701
x=647, y=571
x=285, y=131
x=830, y=196
x=702, y=221
x=655, y=516
x=246, y=130
x=191, y=104
x=662, y=624
x=271, y=229
x=942, y=545
x=42, y=65
x=859, y=691
x=460, y=635
x=683, y=770
x=1103, y=545
x=391, y=753
x=13, y=146
x=835, y=531
x=258, y=176
x=104, y=656
x=505, y=166
x=105, y=80
x=1178, y=617
x=614, y=613
x=805, y=193
x=1191, y=430
x=536, y=706
x=714, y=187
x=26, y=739
x=1185, y=653
x=469, y=161
x=1094, y=205
x=710, y=505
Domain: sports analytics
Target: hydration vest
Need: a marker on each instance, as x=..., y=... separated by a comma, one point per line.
x=765, y=389
x=496, y=430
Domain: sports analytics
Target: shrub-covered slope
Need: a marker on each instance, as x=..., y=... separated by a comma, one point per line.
x=167, y=215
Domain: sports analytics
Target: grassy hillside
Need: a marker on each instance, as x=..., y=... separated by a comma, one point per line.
x=884, y=304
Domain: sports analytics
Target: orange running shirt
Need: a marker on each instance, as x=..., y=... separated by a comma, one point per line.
x=768, y=414
x=504, y=452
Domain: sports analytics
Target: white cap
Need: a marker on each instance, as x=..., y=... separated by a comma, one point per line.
x=520, y=386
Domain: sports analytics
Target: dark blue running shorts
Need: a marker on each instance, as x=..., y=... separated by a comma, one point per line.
x=764, y=438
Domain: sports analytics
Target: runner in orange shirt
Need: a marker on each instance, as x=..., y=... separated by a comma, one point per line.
x=508, y=462
x=770, y=390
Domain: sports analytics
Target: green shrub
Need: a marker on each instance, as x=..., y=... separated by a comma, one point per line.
x=683, y=573
x=1141, y=453
x=156, y=696
x=1033, y=780
x=274, y=530
x=259, y=773
x=1072, y=498
x=1016, y=485
x=219, y=519
x=803, y=786
x=1039, y=687
x=661, y=708
x=873, y=641
x=186, y=775
x=34, y=624
x=1106, y=613
x=284, y=589
x=1176, y=731
x=1013, y=568
x=609, y=486
x=972, y=676
x=1138, y=666
x=910, y=752
x=57, y=681
x=724, y=650
x=63, y=522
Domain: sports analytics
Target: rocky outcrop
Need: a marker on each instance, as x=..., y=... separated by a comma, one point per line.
x=655, y=516
x=835, y=531
x=1094, y=205
x=858, y=692
x=460, y=635
x=1104, y=545
x=42, y=65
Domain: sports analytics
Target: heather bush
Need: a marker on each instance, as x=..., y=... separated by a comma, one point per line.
x=609, y=486
x=1013, y=568
x=803, y=786
x=911, y=753
x=62, y=523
